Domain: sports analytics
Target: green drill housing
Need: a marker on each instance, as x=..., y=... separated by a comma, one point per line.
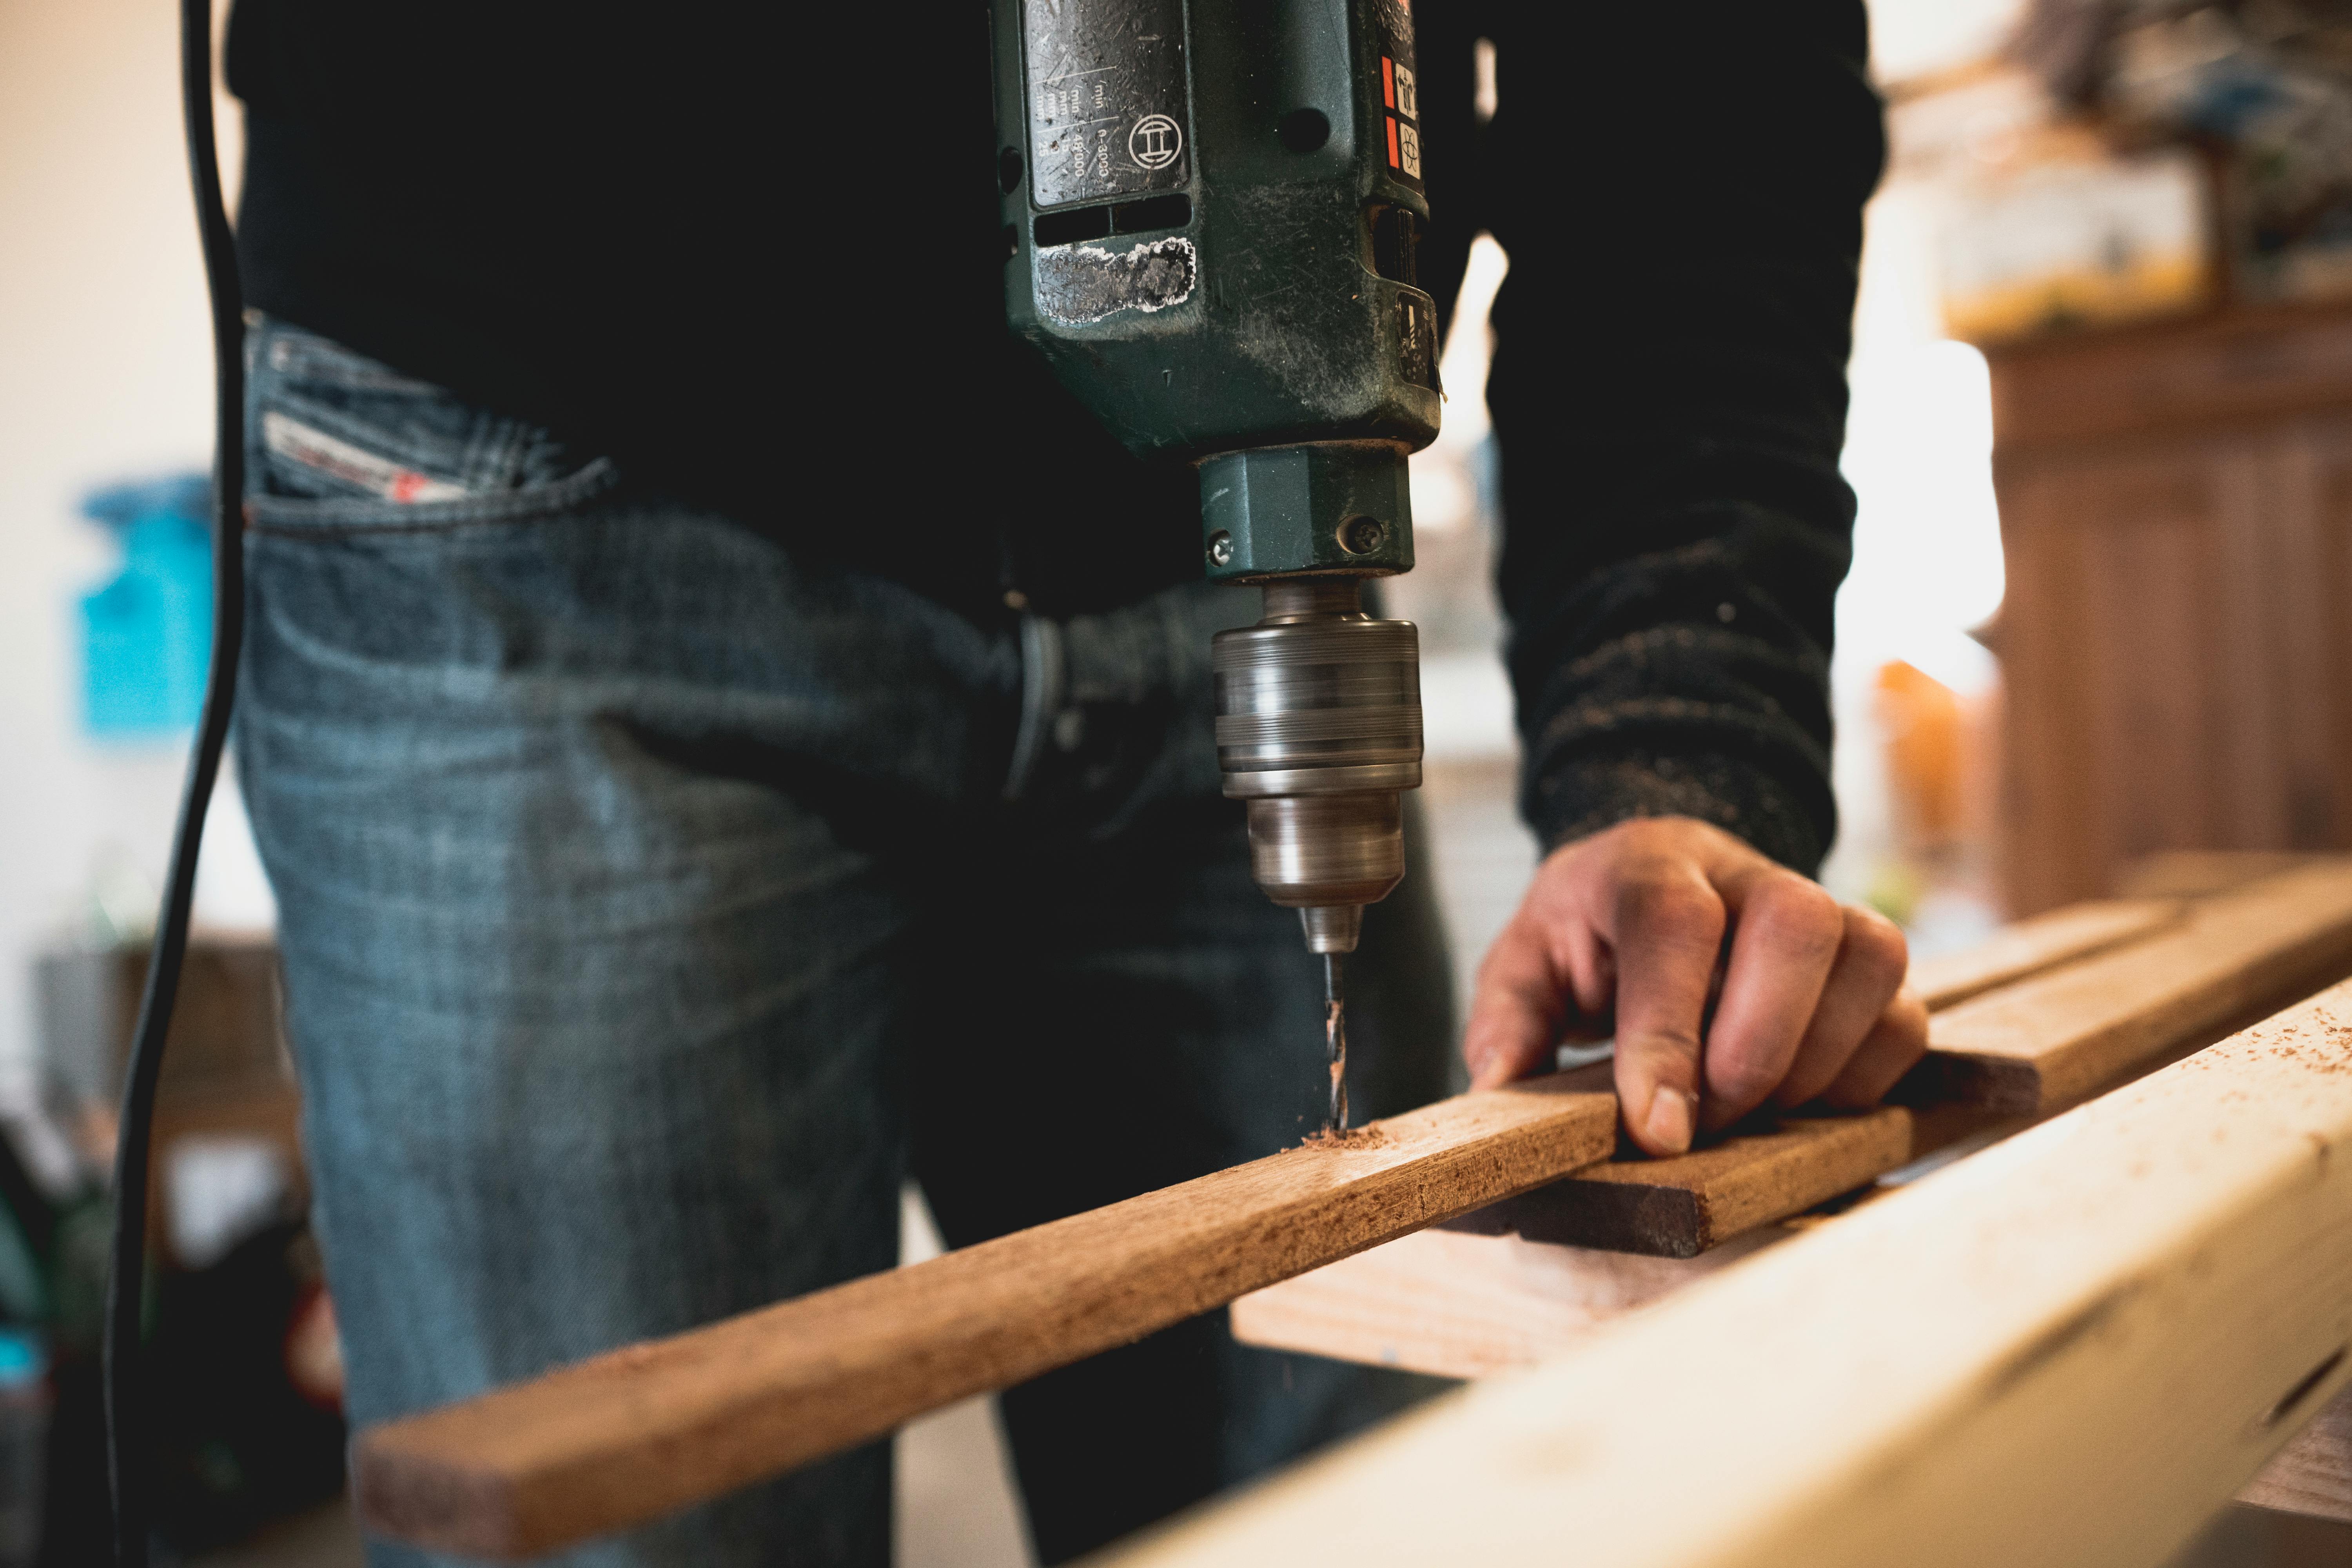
x=1212, y=213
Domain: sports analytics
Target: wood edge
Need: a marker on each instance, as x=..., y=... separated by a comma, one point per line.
x=2006, y=1086
x=1864, y=1147
x=2125, y=1049
x=1617, y=1216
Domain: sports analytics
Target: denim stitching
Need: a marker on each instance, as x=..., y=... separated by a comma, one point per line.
x=292, y=354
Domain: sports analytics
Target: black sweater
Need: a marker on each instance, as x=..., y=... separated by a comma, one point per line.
x=753, y=253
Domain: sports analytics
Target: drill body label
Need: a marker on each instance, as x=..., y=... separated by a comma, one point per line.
x=1400, y=92
x=1108, y=104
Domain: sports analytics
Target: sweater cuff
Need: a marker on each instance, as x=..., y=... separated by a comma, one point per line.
x=1578, y=796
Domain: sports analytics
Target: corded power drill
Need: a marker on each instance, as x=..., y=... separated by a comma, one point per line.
x=1212, y=210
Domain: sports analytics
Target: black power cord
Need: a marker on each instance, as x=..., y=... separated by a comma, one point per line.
x=127, y=1454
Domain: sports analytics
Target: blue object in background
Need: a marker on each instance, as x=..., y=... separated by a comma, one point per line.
x=24, y=1446
x=148, y=634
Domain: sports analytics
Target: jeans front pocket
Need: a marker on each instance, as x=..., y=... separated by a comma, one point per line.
x=338, y=441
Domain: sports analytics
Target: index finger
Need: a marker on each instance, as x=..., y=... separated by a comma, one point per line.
x=1665, y=925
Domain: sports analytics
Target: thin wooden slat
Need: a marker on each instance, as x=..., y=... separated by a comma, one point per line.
x=2199, y=873
x=2066, y=1351
x=2047, y=1043
x=630, y=1436
x=1680, y=1208
x=2030, y=946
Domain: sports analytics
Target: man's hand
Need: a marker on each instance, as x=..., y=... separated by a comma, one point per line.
x=1624, y=932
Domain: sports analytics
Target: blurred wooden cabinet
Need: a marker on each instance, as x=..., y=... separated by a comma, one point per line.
x=2176, y=641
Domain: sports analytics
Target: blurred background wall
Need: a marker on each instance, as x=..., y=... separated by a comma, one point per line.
x=108, y=377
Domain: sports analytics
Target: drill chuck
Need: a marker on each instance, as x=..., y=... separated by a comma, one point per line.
x=1319, y=730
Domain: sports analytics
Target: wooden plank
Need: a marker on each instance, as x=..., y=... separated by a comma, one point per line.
x=1458, y=1305
x=2067, y=1352
x=2312, y=1475
x=2047, y=1043
x=1681, y=1206
x=2030, y=946
x=641, y=1432
x=2199, y=873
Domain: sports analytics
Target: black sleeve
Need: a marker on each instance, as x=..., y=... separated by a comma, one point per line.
x=1680, y=189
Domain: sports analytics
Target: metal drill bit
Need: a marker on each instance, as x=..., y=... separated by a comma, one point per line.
x=1335, y=1044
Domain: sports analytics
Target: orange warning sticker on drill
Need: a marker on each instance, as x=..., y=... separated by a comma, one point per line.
x=1400, y=92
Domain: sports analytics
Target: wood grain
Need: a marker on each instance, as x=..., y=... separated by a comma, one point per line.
x=2201, y=873
x=2229, y=369
x=1458, y=1305
x=2312, y=1475
x=2047, y=1043
x=2176, y=665
x=641, y=1432
x=2029, y=947
x=2067, y=1352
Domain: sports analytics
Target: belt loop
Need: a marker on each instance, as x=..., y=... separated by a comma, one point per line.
x=1044, y=680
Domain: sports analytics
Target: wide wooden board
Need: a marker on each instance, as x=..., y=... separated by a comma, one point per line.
x=1456, y=1305
x=642, y=1431
x=2065, y=1352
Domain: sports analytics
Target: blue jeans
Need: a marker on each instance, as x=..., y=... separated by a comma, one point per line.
x=655, y=901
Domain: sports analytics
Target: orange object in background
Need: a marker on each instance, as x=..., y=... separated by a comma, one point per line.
x=1939, y=750
x=1926, y=728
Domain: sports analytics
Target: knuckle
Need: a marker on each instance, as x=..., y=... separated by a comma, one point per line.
x=1663, y=896
x=1799, y=914
x=1876, y=943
